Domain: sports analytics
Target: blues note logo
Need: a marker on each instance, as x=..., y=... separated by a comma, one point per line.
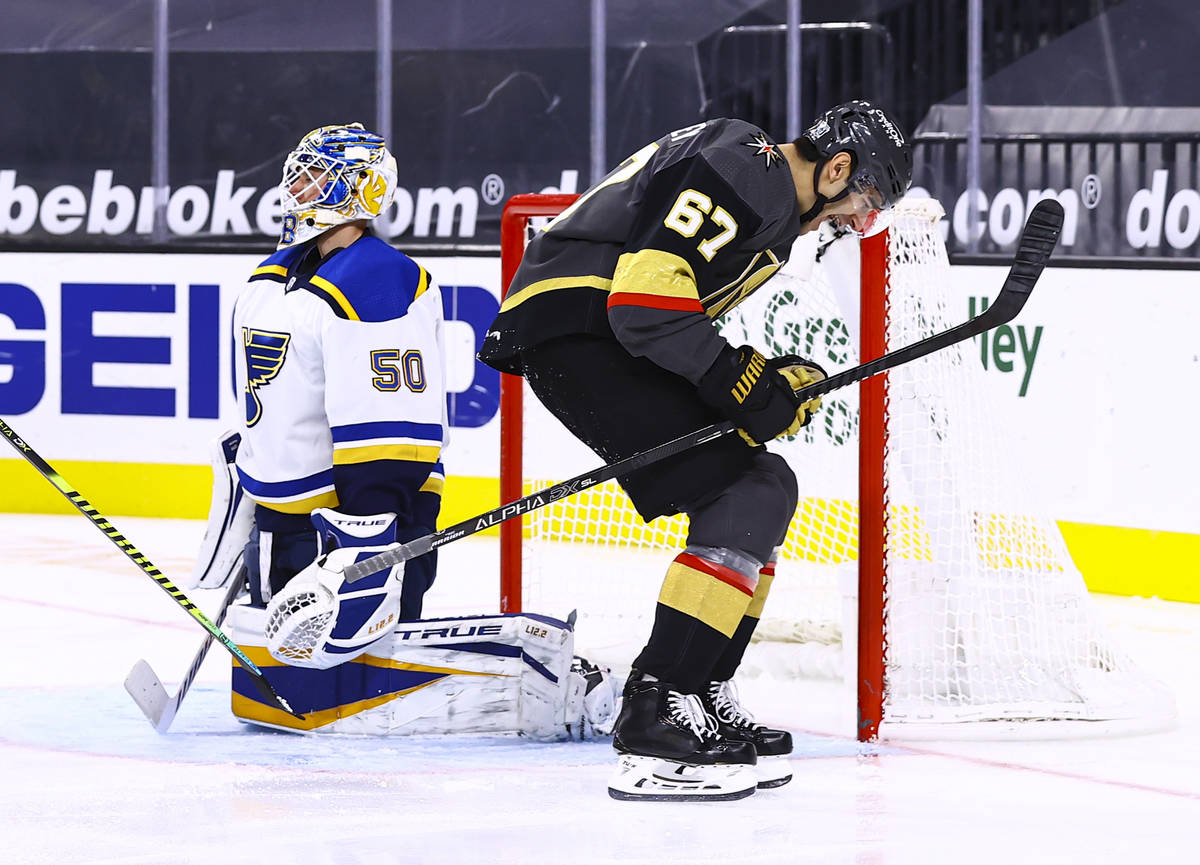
x=265, y=352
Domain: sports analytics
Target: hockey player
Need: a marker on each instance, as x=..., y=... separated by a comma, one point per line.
x=340, y=366
x=610, y=318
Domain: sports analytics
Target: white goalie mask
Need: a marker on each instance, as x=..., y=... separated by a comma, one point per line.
x=336, y=174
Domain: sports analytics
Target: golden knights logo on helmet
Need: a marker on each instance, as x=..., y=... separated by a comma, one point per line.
x=336, y=174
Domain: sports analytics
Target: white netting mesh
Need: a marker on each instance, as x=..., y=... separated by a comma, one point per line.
x=298, y=623
x=987, y=617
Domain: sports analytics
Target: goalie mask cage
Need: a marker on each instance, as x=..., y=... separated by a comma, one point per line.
x=913, y=567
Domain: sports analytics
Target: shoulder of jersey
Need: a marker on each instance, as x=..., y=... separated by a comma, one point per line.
x=749, y=146
x=368, y=281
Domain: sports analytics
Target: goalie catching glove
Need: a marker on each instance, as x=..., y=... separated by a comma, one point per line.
x=758, y=394
x=319, y=620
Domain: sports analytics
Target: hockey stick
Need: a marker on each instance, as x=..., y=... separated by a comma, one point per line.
x=148, y=691
x=123, y=544
x=1037, y=241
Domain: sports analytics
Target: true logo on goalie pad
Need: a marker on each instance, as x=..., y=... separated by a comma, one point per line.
x=455, y=631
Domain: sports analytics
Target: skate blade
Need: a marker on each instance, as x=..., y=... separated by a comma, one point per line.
x=654, y=780
x=772, y=772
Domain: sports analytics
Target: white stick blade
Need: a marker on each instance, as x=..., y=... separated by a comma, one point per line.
x=150, y=695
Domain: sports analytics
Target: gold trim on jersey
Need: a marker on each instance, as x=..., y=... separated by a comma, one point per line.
x=730, y=295
x=369, y=453
x=422, y=282
x=272, y=269
x=541, y=287
x=652, y=271
x=336, y=294
x=435, y=484
x=301, y=506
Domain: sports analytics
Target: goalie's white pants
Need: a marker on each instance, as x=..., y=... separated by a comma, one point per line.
x=475, y=674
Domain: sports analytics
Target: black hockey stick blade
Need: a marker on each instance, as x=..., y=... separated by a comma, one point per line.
x=147, y=689
x=1037, y=241
x=135, y=555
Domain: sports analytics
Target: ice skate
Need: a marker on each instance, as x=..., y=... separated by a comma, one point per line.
x=670, y=749
x=773, y=747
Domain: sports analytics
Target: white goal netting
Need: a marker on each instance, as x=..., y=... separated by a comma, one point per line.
x=987, y=622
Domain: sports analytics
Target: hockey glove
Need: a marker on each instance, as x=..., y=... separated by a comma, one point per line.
x=318, y=620
x=800, y=372
x=743, y=387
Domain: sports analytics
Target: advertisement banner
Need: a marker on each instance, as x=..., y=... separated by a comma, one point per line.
x=118, y=366
x=128, y=357
x=1125, y=194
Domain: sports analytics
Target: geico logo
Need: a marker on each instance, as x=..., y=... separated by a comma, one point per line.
x=111, y=209
x=155, y=326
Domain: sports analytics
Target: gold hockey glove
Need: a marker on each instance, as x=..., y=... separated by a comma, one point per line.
x=742, y=386
x=800, y=372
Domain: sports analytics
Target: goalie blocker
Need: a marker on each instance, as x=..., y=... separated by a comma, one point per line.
x=512, y=673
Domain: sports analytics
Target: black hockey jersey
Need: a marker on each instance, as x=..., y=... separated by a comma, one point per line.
x=675, y=236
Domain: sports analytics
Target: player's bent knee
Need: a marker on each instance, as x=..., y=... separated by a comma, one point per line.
x=777, y=468
x=753, y=513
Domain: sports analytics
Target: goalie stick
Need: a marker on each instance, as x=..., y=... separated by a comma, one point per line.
x=147, y=689
x=123, y=544
x=1037, y=241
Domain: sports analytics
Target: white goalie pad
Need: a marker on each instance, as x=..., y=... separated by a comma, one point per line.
x=230, y=518
x=471, y=675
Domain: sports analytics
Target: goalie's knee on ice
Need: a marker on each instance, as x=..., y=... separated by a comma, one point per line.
x=752, y=513
x=474, y=674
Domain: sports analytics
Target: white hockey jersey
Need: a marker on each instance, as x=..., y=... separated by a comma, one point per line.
x=337, y=368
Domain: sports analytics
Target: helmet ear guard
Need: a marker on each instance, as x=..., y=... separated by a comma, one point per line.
x=336, y=174
x=374, y=191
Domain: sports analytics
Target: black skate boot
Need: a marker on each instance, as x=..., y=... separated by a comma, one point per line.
x=773, y=769
x=670, y=749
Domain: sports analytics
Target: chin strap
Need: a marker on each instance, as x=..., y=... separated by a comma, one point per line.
x=819, y=205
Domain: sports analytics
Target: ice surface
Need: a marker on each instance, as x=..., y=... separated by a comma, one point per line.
x=87, y=780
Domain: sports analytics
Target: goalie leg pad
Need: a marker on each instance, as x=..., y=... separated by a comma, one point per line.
x=469, y=675
x=230, y=517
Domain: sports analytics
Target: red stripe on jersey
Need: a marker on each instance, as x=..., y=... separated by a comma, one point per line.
x=768, y=568
x=726, y=575
x=654, y=301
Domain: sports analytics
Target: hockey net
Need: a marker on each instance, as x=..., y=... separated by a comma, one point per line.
x=943, y=591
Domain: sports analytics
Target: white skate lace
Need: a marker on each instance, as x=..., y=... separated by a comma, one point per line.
x=727, y=707
x=686, y=709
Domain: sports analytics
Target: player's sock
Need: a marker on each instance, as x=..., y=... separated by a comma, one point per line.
x=731, y=657
x=703, y=600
